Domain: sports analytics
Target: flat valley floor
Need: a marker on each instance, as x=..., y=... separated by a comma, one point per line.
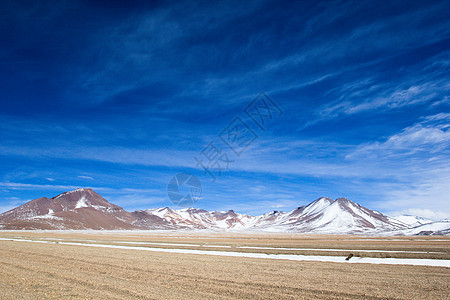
x=215, y=265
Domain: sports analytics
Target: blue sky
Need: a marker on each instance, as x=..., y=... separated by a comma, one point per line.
x=122, y=95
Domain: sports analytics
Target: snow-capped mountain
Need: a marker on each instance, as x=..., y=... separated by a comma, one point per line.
x=201, y=219
x=78, y=209
x=413, y=221
x=326, y=215
x=433, y=228
x=85, y=209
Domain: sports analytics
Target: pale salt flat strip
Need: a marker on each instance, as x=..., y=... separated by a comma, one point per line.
x=169, y=244
x=143, y=243
x=150, y=243
x=337, y=250
x=163, y=244
x=315, y=258
x=370, y=260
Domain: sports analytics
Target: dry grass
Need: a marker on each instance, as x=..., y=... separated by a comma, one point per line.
x=34, y=270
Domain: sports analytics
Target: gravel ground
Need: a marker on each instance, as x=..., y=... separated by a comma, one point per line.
x=46, y=271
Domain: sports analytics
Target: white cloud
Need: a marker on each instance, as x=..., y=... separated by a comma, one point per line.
x=420, y=156
x=399, y=96
x=431, y=138
x=424, y=83
x=422, y=191
x=424, y=213
x=121, y=155
x=27, y=186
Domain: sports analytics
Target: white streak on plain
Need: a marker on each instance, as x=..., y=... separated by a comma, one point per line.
x=314, y=258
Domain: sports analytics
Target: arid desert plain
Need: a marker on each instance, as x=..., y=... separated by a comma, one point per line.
x=217, y=265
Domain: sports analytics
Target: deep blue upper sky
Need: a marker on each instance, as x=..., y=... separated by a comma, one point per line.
x=122, y=95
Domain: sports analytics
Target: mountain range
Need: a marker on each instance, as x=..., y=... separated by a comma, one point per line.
x=85, y=209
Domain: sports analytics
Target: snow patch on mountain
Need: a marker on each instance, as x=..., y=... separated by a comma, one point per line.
x=49, y=215
x=433, y=228
x=82, y=202
x=74, y=191
x=413, y=221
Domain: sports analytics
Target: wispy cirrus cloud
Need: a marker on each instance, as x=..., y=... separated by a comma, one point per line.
x=424, y=83
x=146, y=44
x=430, y=138
x=420, y=155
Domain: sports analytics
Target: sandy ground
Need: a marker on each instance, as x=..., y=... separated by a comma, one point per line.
x=43, y=271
